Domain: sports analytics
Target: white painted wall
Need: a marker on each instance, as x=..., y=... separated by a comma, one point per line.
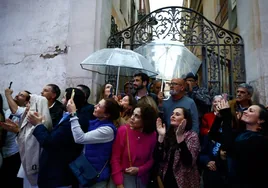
x=30, y=28
x=253, y=26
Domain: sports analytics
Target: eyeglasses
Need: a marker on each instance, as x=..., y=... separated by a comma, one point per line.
x=173, y=84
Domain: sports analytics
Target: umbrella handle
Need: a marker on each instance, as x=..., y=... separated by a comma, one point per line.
x=117, y=80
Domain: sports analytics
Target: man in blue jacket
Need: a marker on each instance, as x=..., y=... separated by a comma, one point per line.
x=59, y=148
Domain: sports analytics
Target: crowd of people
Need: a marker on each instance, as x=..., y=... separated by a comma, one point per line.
x=139, y=138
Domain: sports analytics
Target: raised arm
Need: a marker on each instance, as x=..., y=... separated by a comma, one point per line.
x=11, y=103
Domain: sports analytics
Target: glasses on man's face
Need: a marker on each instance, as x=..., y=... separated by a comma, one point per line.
x=173, y=84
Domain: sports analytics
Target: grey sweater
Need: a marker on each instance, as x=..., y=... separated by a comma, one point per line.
x=186, y=102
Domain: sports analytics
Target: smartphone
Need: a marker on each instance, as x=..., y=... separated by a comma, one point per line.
x=73, y=93
x=10, y=84
x=111, y=92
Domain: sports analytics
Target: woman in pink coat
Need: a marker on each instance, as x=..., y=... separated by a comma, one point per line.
x=132, y=154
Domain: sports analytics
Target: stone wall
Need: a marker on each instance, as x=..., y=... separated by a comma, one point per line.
x=45, y=41
x=253, y=26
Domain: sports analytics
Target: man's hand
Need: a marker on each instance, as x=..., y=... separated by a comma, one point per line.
x=132, y=171
x=8, y=92
x=10, y=126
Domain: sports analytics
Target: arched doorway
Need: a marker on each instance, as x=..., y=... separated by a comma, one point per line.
x=221, y=51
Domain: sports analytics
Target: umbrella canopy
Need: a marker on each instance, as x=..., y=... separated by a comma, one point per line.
x=127, y=62
x=171, y=59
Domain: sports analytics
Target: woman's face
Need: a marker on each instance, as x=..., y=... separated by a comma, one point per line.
x=124, y=102
x=223, y=155
x=107, y=90
x=99, y=110
x=251, y=115
x=176, y=117
x=135, y=120
x=215, y=102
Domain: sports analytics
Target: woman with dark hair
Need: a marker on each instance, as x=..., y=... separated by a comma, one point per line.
x=132, y=154
x=247, y=150
x=106, y=91
x=127, y=104
x=99, y=138
x=177, y=151
x=59, y=148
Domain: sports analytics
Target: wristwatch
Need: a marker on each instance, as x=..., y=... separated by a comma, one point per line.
x=73, y=114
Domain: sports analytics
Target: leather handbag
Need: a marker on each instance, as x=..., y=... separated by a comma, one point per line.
x=85, y=173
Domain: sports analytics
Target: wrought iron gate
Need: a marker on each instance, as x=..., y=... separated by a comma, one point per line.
x=221, y=51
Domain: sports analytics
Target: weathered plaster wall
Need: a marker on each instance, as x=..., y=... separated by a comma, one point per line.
x=44, y=42
x=253, y=25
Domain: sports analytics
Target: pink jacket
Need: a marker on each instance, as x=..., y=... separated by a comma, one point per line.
x=141, y=151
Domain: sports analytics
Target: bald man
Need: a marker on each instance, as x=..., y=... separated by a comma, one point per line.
x=178, y=99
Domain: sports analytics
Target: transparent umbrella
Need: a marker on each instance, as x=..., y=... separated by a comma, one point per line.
x=171, y=59
x=127, y=62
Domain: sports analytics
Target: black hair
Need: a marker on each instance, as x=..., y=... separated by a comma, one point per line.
x=28, y=97
x=170, y=139
x=85, y=89
x=55, y=89
x=144, y=77
x=132, y=102
x=79, y=97
x=263, y=115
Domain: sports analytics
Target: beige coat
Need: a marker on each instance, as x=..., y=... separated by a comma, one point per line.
x=29, y=147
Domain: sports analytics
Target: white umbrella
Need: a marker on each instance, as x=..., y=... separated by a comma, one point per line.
x=127, y=62
x=170, y=58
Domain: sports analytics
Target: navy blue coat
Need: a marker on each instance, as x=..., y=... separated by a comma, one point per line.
x=59, y=149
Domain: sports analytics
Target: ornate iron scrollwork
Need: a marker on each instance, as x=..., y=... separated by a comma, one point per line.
x=196, y=32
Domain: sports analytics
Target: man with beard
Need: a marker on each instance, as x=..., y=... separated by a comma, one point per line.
x=178, y=99
x=241, y=103
x=10, y=150
x=141, y=81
